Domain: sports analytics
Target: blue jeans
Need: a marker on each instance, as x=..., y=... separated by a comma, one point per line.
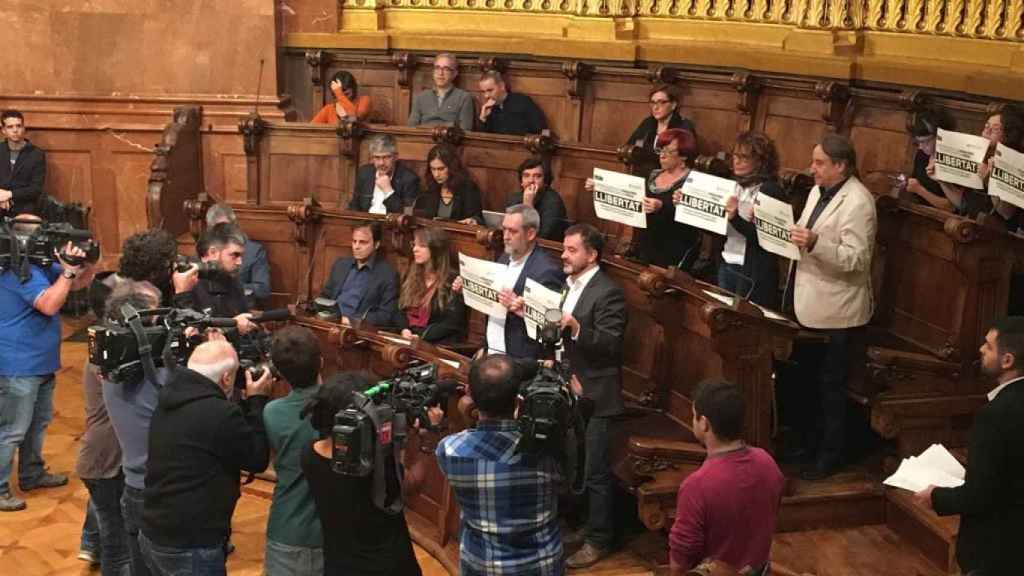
x=166, y=561
x=90, y=531
x=105, y=498
x=284, y=560
x=26, y=409
x=131, y=511
x=600, y=530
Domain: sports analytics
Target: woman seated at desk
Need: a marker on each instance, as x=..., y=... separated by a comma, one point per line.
x=433, y=311
x=450, y=192
x=348, y=105
x=666, y=242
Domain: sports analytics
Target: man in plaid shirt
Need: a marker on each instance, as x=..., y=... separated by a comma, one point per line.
x=509, y=501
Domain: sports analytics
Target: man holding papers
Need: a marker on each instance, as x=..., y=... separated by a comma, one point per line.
x=830, y=286
x=521, y=260
x=991, y=501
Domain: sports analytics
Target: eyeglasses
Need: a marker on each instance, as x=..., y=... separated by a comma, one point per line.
x=659, y=102
x=447, y=69
x=666, y=151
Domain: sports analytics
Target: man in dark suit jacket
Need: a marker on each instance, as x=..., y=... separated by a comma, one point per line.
x=991, y=501
x=386, y=186
x=506, y=112
x=364, y=284
x=524, y=260
x=535, y=190
x=22, y=167
x=594, y=318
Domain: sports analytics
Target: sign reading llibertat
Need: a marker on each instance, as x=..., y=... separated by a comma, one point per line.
x=537, y=299
x=1007, y=179
x=480, y=285
x=703, y=201
x=957, y=158
x=619, y=197
x=773, y=219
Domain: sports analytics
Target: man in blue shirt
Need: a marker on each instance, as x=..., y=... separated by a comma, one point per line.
x=29, y=357
x=364, y=285
x=294, y=539
x=509, y=500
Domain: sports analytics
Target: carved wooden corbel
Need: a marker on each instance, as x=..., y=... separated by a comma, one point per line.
x=488, y=63
x=349, y=134
x=315, y=61
x=748, y=87
x=543, y=144
x=304, y=217
x=451, y=135
x=252, y=128
x=961, y=230
x=913, y=101
x=994, y=108
x=577, y=73
x=489, y=238
x=835, y=98
x=406, y=64
x=195, y=209
x=661, y=75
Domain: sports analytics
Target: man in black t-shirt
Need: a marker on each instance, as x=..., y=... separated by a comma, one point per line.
x=359, y=538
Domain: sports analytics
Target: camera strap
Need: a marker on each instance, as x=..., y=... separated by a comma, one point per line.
x=131, y=316
x=382, y=459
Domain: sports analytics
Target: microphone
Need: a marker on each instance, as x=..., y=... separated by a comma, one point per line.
x=220, y=323
x=259, y=86
x=686, y=255
x=275, y=315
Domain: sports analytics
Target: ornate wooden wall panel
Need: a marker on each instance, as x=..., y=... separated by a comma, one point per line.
x=794, y=122
x=611, y=104
x=302, y=165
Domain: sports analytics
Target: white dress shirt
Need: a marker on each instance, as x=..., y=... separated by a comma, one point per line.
x=496, y=326
x=576, y=287
x=379, y=196
x=995, y=391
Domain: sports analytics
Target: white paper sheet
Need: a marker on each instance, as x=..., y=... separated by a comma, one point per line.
x=703, y=203
x=1007, y=179
x=773, y=219
x=619, y=197
x=934, y=467
x=957, y=157
x=480, y=285
x=537, y=299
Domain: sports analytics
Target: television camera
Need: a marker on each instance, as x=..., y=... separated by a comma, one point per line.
x=24, y=243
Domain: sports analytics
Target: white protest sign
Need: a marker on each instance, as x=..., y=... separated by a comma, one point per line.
x=481, y=281
x=1007, y=179
x=619, y=197
x=537, y=299
x=957, y=157
x=703, y=202
x=773, y=219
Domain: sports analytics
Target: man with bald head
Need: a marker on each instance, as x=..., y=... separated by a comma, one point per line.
x=199, y=442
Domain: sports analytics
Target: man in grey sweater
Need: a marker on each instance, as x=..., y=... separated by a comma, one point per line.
x=445, y=103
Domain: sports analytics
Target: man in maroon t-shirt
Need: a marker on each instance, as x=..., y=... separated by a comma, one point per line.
x=725, y=510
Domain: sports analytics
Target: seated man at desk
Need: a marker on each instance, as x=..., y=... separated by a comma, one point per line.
x=535, y=190
x=507, y=112
x=445, y=103
x=364, y=285
x=386, y=186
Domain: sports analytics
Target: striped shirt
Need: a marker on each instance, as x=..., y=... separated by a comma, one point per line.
x=509, y=502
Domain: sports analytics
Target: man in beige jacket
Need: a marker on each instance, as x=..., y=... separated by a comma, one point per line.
x=831, y=283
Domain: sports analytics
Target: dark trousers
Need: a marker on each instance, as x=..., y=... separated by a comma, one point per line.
x=844, y=351
x=732, y=278
x=105, y=497
x=166, y=561
x=600, y=530
x=131, y=508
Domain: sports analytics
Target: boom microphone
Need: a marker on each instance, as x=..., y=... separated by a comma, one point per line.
x=275, y=315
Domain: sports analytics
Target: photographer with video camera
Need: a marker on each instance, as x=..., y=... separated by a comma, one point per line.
x=199, y=442
x=362, y=537
x=508, y=497
x=594, y=318
x=31, y=295
x=214, y=284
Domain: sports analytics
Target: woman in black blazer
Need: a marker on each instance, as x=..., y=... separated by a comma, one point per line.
x=746, y=269
x=450, y=192
x=664, y=115
x=430, y=308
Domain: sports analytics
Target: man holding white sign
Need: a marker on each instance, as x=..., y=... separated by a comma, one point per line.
x=830, y=286
x=506, y=329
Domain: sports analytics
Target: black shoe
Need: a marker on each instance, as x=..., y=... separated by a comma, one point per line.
x=46, y=481
x=572, y=538
x=819, y=471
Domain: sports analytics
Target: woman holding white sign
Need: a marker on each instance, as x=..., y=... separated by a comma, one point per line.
x=746, y=268
x=666, y=242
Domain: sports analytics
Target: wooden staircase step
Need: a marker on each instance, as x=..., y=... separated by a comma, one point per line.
x=932, y=535
x=849, y=499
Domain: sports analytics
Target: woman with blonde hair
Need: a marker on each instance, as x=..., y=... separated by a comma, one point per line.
x=431, y=309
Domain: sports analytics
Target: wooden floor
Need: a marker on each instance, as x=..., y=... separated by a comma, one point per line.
x=44, y=539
